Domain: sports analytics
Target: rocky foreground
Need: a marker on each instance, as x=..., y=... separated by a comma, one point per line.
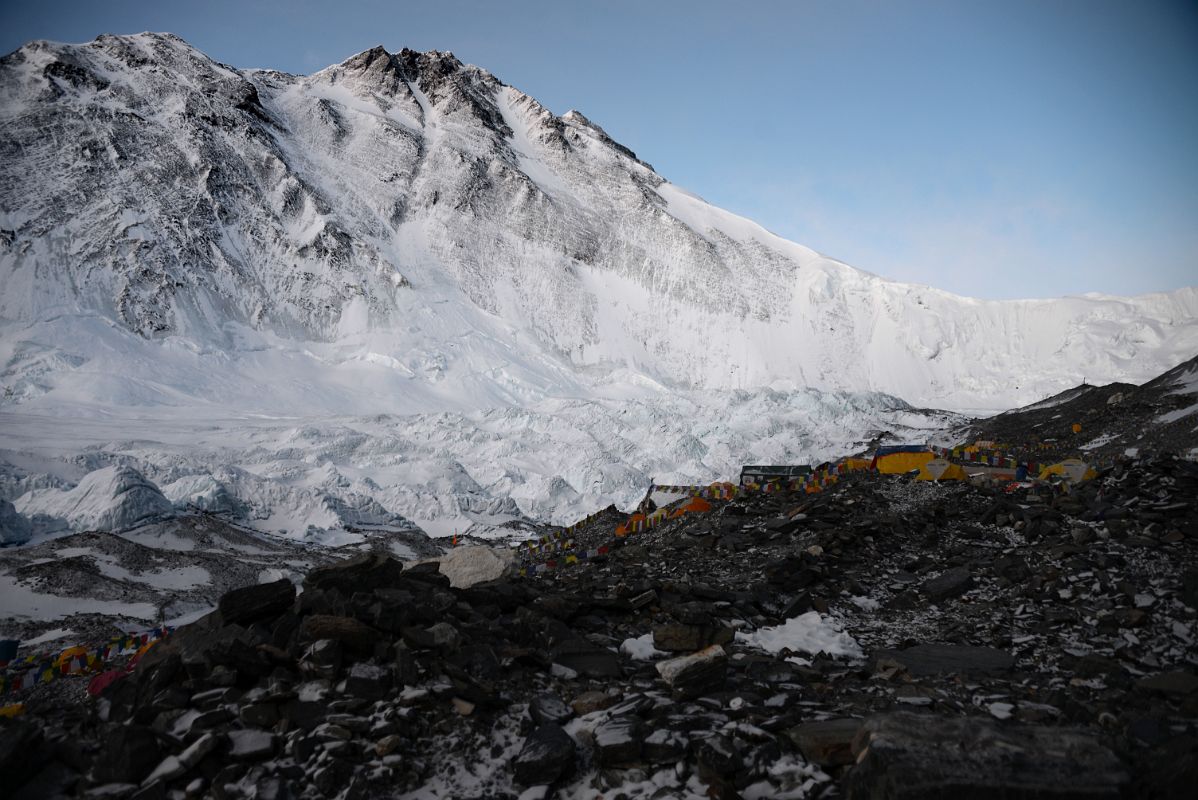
x=883, y=638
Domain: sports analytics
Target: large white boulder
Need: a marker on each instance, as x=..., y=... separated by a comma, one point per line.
x=469, y=565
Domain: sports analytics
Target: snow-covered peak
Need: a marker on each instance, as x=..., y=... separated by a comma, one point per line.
x=408, y=212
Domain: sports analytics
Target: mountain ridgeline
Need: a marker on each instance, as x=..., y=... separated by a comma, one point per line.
x=411, y=219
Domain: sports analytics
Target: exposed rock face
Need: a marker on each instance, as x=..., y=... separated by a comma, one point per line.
x=14, y=528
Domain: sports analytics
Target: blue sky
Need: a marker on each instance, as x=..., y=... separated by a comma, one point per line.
x=994, y=149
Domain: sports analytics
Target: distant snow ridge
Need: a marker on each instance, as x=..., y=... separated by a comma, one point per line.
x=507, y=312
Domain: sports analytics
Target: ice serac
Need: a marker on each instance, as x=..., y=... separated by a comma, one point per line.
x=109, y=499
x=414, y=218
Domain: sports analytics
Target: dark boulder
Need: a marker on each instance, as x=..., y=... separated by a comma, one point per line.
x=618, y=741
x=354, y=634
x=368, y=681
x=828, y=743
x=252, y=603
x=587, y=659
x=363, y=573
x=687, y=638
x=547, y=755
x=547, y=707
x=696, y=674
x=21, y=752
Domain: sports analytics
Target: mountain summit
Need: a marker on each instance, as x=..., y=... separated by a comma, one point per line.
x=415, y=214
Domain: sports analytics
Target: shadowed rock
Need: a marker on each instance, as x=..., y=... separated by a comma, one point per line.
x=905, y=755
x=252, y=603
x=548, y=754
x=938, y=659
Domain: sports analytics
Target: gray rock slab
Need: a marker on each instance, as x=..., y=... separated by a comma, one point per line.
x=907, y=756
x=942, y=659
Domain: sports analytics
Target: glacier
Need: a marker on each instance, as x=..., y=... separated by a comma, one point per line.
x=399, y=291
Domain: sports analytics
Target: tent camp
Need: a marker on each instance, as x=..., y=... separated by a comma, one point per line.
x=938, y=469
x=1071, y=469
x=757, y=475
x=901, y=458
x=696, y=505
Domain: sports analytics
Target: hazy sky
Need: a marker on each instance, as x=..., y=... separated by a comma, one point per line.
x=995, y=149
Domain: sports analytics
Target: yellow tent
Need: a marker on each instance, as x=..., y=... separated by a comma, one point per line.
x=939, y=469
x=855, y=464
x=1071, y=469
x=897, y=460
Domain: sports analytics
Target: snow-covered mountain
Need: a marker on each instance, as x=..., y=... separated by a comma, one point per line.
x=541, y=319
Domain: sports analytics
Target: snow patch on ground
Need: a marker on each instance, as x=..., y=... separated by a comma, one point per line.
x=807, y=633
x=641, y=648
x=1180, y=413
x=18, y=600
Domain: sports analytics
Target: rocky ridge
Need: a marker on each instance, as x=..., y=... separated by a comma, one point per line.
x=1114, y=420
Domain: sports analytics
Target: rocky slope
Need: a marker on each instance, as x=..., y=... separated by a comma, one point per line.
x=84, y=587
x=884, y=638
x=1117, y=419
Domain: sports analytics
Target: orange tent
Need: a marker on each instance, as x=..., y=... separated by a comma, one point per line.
x=696, y=505
x=635, y=522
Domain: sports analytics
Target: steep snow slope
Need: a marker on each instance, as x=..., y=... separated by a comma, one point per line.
x=505, y=311
x=410, y=214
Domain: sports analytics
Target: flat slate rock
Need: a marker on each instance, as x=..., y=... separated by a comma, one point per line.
x=924, y=660
x=905, y=756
